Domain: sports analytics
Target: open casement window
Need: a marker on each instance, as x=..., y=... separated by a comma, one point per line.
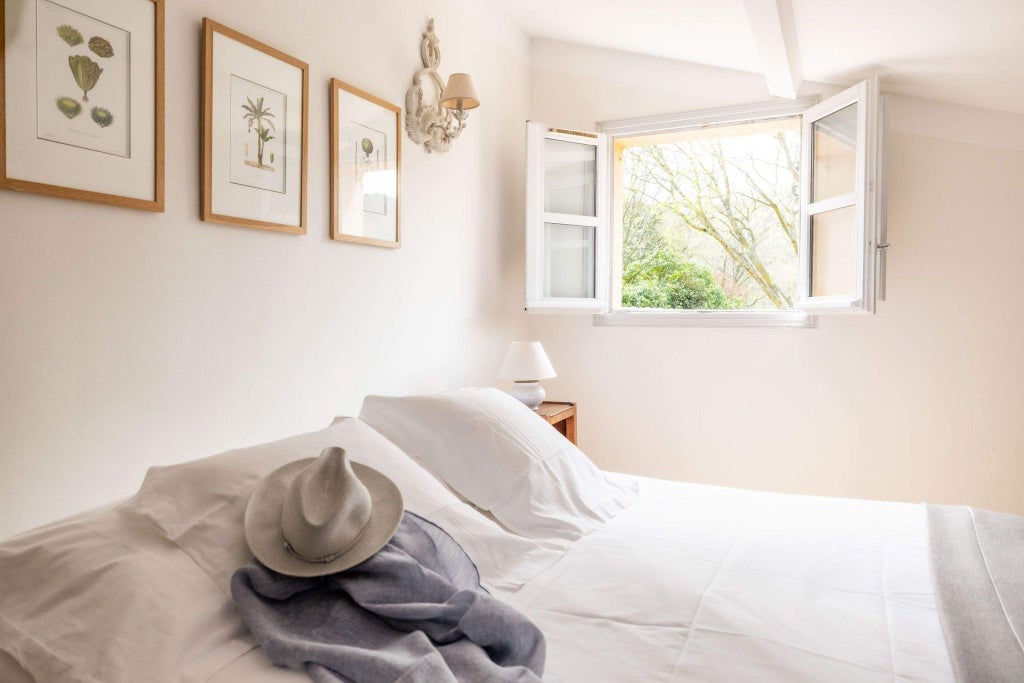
x=567, y=221
x=569, y=203
x=840, y=208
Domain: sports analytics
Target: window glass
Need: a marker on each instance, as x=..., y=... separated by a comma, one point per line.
x=570, y=172
x=569, y=260
x=834, y=252
x=834, y=166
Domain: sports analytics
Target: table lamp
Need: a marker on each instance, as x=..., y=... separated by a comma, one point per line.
x=526, y=364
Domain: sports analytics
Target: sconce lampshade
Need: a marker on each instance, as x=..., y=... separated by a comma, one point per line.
x=526, y=362
x=460, y=94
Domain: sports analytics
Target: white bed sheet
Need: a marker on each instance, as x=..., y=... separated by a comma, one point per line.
x=700, y=583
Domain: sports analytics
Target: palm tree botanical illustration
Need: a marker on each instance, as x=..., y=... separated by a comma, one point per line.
x=259, y=117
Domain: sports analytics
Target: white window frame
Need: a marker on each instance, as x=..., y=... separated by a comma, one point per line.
x=865, y=198
x=868, y=198
x=746, y=113
x=536, y=217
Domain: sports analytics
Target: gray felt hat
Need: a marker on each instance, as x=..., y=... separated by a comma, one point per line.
x=321, y=515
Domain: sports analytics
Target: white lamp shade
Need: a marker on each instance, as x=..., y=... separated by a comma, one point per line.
x=526, y=362
x=460, y=93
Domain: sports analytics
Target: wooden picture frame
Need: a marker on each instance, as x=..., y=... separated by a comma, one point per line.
x=345, y=172
x=219, y=162
x=60, y=167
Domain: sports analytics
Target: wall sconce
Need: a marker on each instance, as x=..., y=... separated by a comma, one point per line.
x=435, y=126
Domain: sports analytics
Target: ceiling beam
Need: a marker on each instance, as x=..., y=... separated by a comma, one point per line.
x=771, y=22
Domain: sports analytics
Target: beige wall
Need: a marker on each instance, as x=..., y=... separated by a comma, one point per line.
x=921, y=401
x=129, y=339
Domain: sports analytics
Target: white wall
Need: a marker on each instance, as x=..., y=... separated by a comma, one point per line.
x=921, y=401
x=129, y=339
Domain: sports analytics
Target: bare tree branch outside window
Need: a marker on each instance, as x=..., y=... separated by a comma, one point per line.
x=710, y=221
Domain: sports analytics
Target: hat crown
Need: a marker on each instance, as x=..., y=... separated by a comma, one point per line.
x=326, y=508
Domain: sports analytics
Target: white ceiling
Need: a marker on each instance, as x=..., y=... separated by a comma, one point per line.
x=965, y=51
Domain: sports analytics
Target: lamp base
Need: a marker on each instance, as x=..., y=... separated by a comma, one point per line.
x=530, y=393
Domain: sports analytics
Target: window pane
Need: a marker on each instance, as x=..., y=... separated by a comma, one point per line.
x=834, y=252
x=570, y=169
x=569, y=261
x=834, y=170
x=709, y=218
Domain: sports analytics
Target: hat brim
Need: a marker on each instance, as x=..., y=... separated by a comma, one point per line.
x=263, y=522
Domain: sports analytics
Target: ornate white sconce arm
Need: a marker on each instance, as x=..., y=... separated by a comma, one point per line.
x=435, y=126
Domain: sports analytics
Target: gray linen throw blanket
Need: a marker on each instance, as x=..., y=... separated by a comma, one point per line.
x=413, y=612
x=977, y=560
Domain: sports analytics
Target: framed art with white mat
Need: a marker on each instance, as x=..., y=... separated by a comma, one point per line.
x=255, y=133
x=366, y=160
x=82, y=113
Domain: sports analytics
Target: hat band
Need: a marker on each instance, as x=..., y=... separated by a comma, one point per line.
x=324, y=559
x=327, y=558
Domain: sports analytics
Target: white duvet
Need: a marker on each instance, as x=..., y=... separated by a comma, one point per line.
x=698, y=583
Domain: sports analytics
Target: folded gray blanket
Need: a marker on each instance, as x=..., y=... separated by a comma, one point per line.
x=413, y=612
x=977, y=560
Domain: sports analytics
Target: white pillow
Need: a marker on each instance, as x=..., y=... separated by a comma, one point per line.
x=103, y=596
x=502, y=457
x=200, y=505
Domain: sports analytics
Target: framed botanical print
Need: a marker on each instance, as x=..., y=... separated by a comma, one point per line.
x=82, y=106
x=366, y=156
x=255, y=133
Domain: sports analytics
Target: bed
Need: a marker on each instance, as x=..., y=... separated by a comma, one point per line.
x=698, y=583
x=685, y=583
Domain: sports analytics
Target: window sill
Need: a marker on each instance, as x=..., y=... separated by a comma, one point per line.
x=661, y=318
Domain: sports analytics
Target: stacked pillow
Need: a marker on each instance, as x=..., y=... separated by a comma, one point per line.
x=103, y=597
x=142, y=590
x=200, y=505
x=502, y=457
x=133, y=606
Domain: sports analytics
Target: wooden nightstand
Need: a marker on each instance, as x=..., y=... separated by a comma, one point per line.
x=561, y=415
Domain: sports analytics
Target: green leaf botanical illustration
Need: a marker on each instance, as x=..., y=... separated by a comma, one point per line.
x=69, y=34
x=256, y=115
x=101, y=46
x=86, y=73
x=102, y=116
x=69, y=107
x=367, y=146
x=265, y=137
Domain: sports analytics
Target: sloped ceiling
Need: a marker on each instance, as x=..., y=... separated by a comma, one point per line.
x=967, y=52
